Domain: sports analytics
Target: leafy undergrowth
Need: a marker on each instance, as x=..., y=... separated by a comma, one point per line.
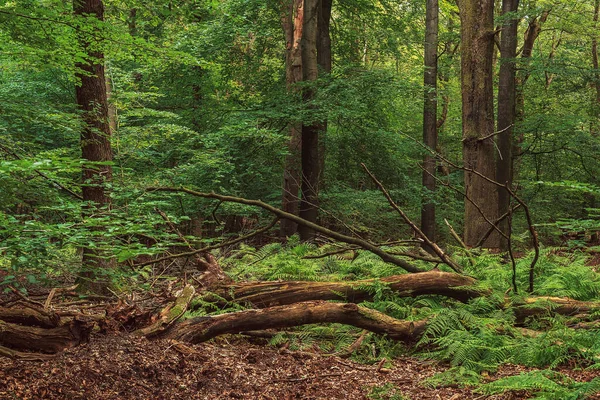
x=476, y=339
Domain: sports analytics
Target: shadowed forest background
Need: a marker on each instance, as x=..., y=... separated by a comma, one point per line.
x=371, y=179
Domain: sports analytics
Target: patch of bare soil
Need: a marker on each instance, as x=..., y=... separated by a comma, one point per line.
x=127, y=367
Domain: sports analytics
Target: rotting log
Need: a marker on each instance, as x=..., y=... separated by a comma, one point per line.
x=169, y=314
x=268, y=294
x=540, y=305
x=51, y=340
x=29, y=315
x=201, y=329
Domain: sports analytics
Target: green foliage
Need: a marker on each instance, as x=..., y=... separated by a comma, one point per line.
x=546, y=384
x=455, y=376
x=387, y=391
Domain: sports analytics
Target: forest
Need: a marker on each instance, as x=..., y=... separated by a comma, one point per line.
x=299, y=199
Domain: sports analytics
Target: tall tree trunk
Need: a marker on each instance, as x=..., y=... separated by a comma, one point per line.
x=310, y=131
x=324, y=61
x=477, y=50
x=506, y=109
x=92, y=100
x=531, y=35
x=292, y=22
x=430, y=119
x=595, y=124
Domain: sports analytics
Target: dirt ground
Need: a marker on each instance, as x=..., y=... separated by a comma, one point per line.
x=126, y=367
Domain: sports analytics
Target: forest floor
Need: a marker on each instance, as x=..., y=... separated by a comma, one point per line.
x=128, y=367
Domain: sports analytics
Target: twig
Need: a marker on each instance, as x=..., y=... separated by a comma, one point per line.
x=208, y=248
x=23, y=297
x=306, y=378
x=460, y=242
x=54, y=182
x=481, y=139
x=350, y=248
x=510, y=252
x=489, y=232
x=438, y=251
x=301, y=221
x=448, y=185
x=532, y=231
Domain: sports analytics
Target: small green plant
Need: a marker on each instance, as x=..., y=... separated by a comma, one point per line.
x=386, y=391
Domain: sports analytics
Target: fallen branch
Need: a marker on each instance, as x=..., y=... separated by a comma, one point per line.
x=267, y=294
x=201, y=329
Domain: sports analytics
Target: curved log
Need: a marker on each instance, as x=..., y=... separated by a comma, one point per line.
x=201, y=329
x=268, y=294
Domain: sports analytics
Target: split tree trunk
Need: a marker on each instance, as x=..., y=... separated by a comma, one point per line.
x=477, y=50
x=430, y=121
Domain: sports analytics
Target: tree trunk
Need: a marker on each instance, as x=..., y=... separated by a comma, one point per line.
x=95, y=138
x=201, y=329
x=477, y=48
x=309, y=203
x=292, y=23
x=268, y=294
x=595, y=124
x=506, y=110
x=531, y=35
x=430, y=121
x=324, y=61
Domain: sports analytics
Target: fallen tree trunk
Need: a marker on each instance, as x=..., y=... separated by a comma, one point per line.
x=28, y=315
x=545, y=305
x=201, y=329
x=268, y=294
x=44, y=340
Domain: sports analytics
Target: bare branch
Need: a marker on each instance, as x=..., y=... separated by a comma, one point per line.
x=438, y=251
x=282, y=214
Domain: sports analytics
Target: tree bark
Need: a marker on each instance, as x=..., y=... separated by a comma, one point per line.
x=92, y=100
x=268, y=294
x=44, y=340
x=595, y=124
x=292, y=23
x=309, y=203
x=201, y=329
x=430, y=121
x=477, y=48
x=506, y=110
x=324, y=60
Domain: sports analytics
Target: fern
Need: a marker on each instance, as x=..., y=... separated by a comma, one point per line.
x=546, y=384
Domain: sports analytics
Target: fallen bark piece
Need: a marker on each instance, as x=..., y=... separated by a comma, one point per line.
x=268, y=294
x=169, y=314
x=201, y=329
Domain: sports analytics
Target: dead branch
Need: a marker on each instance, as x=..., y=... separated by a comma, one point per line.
x=209, y=248
x=438, y=251
x=267, y=294
x=282, y=214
